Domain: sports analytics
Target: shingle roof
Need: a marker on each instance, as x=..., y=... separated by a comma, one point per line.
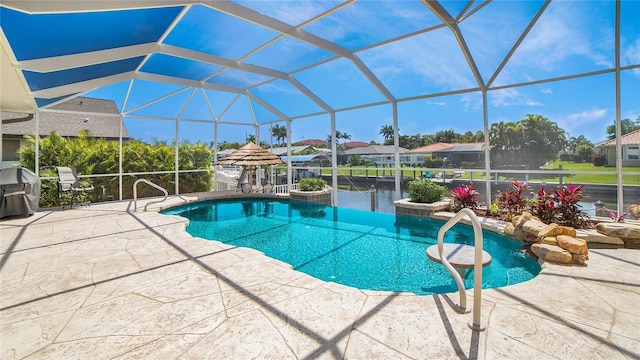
x=79, y=114
x=632, y=138
x=467, y=147
x=374, y=150
x=431, y=148
x=283, y=150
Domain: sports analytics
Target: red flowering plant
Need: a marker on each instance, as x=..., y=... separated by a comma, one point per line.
x=544, y=206
x=465, y=196
x=568, y=211
x=511, y=202
x=561, y=206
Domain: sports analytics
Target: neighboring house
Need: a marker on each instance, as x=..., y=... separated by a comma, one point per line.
x=416, y=156
x=311, y=142
x=320, y=159
x=378, y=154
x=353, y=144
x=630, y=149
x=280, y=151
x=99, y=117
x=470, y=153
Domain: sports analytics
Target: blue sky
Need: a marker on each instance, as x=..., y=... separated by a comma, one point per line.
x=404, y=45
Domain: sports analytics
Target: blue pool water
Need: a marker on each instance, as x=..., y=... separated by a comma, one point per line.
x=352, y=247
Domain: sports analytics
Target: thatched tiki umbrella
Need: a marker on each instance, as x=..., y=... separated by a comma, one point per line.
x=249, y=156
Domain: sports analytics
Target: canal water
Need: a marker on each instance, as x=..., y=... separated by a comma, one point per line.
x=384, y=198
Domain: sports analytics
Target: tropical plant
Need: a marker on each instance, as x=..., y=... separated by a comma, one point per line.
x=387, y=132
x=92, y=156
x=311, y=184
x=465, y=196
x=532, y=141
x=426, y=191
x=357, y=160
x=562, y=207
x=511, y=202
x=568, y=211
x=280, y=133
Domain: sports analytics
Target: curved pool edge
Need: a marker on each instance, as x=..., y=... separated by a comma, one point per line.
x=491, y=225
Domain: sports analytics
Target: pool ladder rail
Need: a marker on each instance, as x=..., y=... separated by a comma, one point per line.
x=475, y=322
x=135, y=193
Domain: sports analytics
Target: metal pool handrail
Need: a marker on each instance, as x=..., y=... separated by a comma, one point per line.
x=135, y=193
x=475, y=323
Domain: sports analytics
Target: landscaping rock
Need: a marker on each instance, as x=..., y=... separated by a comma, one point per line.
x=592, y=236
x=533, y=227
x=518, y=221
x=573, y=245
x=629, y=233
x=567, y=230
x=520, y=234
x=550, y=240
x=509, y=229
x=579, y=259
x=550, y=230
x=552, y=253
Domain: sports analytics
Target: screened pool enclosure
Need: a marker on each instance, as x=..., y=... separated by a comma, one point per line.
x=224, y=71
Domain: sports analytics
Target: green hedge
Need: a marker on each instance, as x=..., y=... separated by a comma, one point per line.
x=92, y=156
x=426, y=191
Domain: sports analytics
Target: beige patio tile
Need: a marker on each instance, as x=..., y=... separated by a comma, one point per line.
x=248, y=336
x=136, y=285
x=166, y=347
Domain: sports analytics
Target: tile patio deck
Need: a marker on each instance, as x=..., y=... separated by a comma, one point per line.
x=102, y=282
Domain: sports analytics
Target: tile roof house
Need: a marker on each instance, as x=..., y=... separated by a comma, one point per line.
x=378, y=154
x=98, y=116
x=630, y=149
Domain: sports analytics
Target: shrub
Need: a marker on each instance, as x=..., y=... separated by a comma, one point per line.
x=568, y=211
x=465, y=196
x=544, y=206
x=561, y=207
x=357, y=160
x=311, y=184
x=426, y=191
x=511, y=202
x=432, y=162
x=91, y=156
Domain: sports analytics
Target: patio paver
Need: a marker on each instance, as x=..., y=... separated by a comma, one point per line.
x=102, y=282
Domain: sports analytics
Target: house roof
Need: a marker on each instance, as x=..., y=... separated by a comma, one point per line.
x=431, y=148
x=632, y=138
x=70, y=118
x=283, y=150
x=355, y=144
x=306, y=158
x=374, y=150
x=311, y=142
x=468, y=147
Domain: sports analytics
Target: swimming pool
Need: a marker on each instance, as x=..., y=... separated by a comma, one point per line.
x=356, y=248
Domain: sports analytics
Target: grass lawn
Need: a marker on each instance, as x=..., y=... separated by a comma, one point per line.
x=607, y=176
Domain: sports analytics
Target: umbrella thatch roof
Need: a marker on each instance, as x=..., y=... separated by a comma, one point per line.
x=250, y=155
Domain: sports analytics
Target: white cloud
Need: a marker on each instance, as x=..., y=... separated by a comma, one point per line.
x=428, y=60
x=546, y=91
x=631, y=55
x=510, y=97
x=574, y=120
x=565, y=30
x=438, y=103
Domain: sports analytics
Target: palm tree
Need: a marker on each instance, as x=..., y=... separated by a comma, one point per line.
x=280, y=133
x=387, y=132
x=345, y=137
x=251, y=138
